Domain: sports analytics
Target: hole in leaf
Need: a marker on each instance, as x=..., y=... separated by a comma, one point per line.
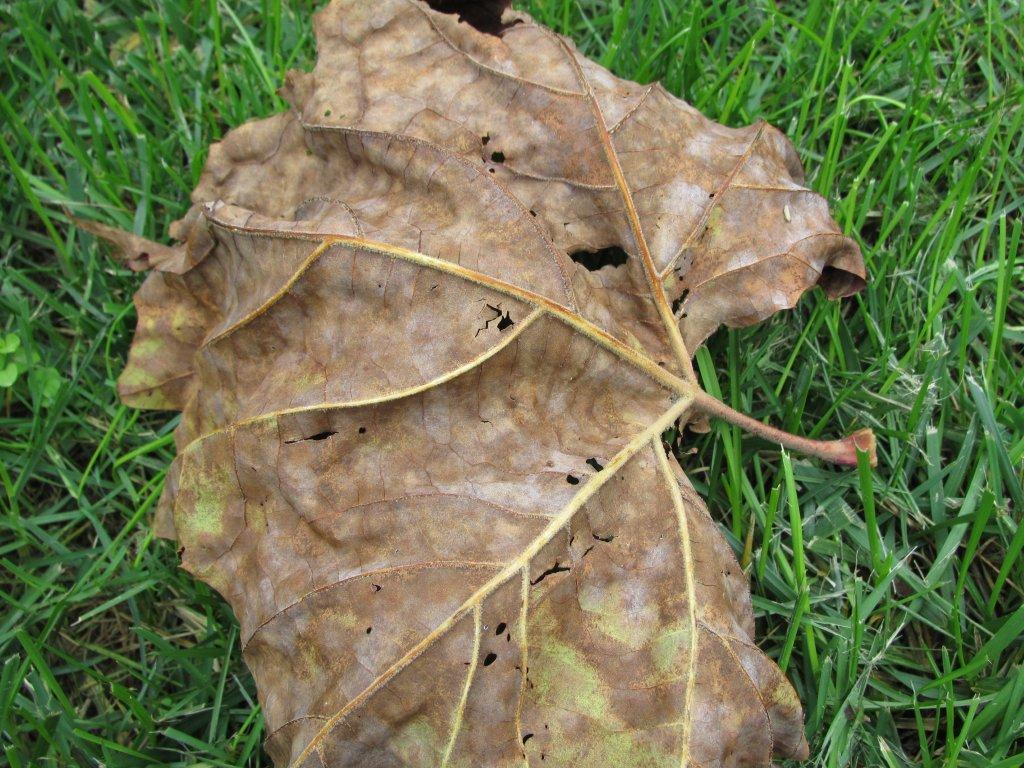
x=613, y=256
x=678, y=303
x=489, y=659
x=597, y=465
x=497, y=157
x=318, y=436
x=502, y=318
x=500, y=628
x=369, y=630
x=484, y=15
x=605, y=538
x=572, y=480
x=376, y=587
x=527, y=737
x=485, y=138
x=556, y=568
x=362, y=430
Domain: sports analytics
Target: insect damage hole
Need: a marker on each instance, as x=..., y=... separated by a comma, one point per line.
x=502, y=320
x=500, y=628
x=677, y=305
x=556, y=568
x=482, y=15
x=490, y=658
x=612, y=256
x=318, y=436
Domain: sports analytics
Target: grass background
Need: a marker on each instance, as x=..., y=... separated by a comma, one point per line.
x=893, y=599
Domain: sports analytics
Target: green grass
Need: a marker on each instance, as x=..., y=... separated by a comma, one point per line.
x=900, y=624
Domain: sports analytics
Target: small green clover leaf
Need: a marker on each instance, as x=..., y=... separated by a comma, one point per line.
x=44, y=384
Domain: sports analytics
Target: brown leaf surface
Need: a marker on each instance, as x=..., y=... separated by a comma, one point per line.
x=420, y=449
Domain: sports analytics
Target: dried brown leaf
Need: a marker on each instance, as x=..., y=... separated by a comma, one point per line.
x=423, y=397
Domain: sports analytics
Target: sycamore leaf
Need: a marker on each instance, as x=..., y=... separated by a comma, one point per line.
x=426, y=330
